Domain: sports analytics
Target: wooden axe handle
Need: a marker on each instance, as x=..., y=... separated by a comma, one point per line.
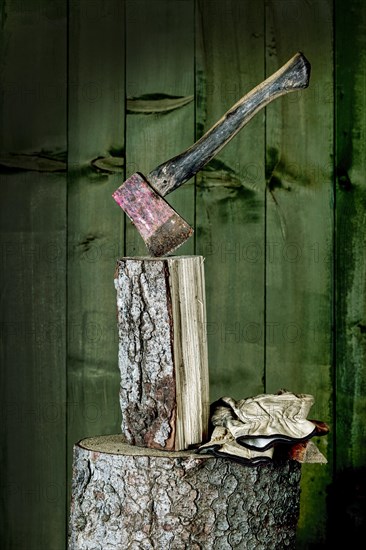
x=294, y=75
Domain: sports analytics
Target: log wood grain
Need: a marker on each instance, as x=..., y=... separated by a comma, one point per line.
x=163, y=351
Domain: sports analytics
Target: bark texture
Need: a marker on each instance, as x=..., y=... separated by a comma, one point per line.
x=144, y=499
x=162, y=351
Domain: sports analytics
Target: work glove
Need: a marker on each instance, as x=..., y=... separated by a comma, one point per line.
x=306, y=453
x=223, y=444
x=258, y=423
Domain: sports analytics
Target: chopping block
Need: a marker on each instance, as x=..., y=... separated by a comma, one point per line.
x=125, y=496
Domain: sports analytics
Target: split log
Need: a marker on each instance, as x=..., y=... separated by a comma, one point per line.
x=164, y=394
x=143, y=499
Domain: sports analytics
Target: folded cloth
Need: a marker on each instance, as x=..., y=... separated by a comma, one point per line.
x=223, y=444
x=260, y=422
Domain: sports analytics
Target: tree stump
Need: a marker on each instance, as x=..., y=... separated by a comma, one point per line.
x=164, y=394
x=128, y=497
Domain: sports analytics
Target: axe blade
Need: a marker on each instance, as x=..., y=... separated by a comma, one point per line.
x=161, y=228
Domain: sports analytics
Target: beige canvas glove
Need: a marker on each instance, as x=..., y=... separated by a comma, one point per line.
x=260, y=422
x=223, y=444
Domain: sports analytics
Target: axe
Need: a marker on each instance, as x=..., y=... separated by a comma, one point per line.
x=162, y=229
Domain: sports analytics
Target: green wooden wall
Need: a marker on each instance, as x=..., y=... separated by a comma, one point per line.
x=93, y=90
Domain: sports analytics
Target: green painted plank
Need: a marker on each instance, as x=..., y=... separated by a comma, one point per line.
x=159, y=76
x=33, y=275
x=33, y=77
x=95, y=222
x=33, y=395
x=351, y=234
x=299, y=236
x=230, y=196
x=348, y=508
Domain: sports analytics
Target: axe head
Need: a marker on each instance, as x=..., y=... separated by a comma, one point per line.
x=162, y=229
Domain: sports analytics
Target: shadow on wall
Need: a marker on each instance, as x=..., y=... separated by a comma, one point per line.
x=346, y=504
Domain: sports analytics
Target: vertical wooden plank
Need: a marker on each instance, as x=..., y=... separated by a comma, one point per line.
x=230, y=196
x=33, y=275
x=347, y=502
x=299, y=233
x=160, y=97
x=350, y=232
x=95, y=222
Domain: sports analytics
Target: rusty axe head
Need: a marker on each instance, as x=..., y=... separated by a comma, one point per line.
x=162, y=229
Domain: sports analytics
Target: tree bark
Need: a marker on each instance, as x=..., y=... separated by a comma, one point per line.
x=142, y=499
x=164, y=394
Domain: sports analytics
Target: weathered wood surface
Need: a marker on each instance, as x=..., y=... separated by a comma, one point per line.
x=164, y=394
x=32, y=274
x=94, y=223
x=125, y=496
x=299, y=235
x=228, y=216
x=350, y=237
x=347, y=513
x=230, y=197
x=160, y=96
